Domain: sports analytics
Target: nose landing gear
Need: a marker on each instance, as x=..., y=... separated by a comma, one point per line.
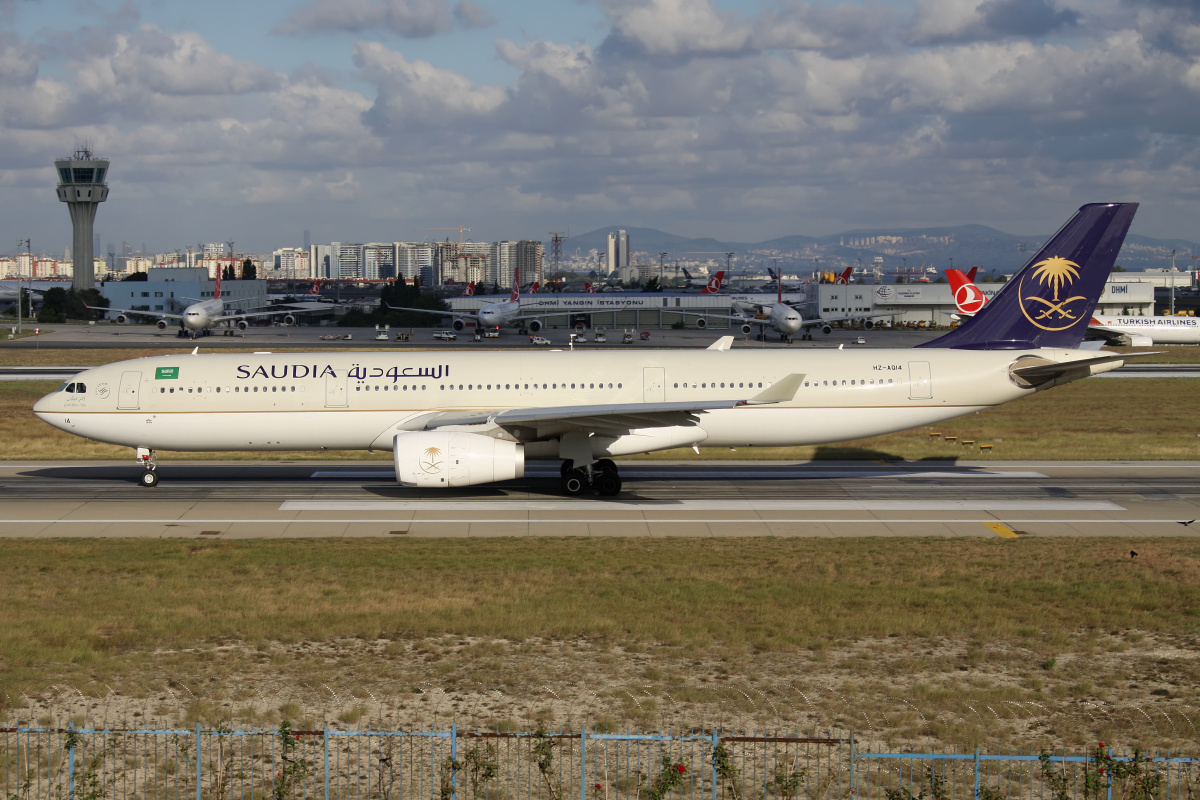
x=148, y=460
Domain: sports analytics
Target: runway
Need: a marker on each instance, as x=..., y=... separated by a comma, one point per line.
x=238, y=500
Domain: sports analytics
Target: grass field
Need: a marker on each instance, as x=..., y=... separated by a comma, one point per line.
x=518, y=631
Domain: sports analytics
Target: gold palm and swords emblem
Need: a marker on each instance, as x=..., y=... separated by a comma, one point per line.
x=1058, y=273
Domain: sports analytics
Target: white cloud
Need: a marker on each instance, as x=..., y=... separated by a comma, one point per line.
x=408, y=18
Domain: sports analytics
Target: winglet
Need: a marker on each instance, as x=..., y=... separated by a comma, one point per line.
x=779, y=392
x=724, y=343
x=196, y=351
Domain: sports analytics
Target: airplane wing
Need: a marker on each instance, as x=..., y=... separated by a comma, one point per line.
x=433, y=311
x=607, y=418
x=818, y=321
x=155, y=314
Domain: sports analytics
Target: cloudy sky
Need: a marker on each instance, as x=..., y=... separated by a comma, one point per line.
x=368, y=120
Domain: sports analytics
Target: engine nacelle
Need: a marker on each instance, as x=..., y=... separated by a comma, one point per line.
x=534, y=325
x=289, y=320
x=458, y=324
x=746, y=328
x=826, y=329
x=161, y=324
x=120, y=319
x=868, y=323
x=443, y=459
x=242, y=324
x=701, y=323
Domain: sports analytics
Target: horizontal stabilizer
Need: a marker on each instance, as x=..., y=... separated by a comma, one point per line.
x=724, y=343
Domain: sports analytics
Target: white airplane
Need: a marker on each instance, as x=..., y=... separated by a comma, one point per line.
x=459, y=418
x=497, y=315
x=203, y=315
x=1131, y=331
x=782, y=317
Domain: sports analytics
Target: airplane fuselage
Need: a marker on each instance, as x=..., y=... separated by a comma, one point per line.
x=1158, y=330
x=360, y=400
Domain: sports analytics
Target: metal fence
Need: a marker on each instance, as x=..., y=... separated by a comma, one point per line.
x=202, y=764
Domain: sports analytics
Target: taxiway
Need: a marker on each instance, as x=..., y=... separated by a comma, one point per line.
x=234, y=500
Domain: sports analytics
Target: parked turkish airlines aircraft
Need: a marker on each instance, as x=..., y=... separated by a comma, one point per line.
x=497, y=315
x=1145, y=331
x=469, y=289
x=457, y=418
x=780, y=316
x=968, y=297
x=846, y=276
x=203, y=315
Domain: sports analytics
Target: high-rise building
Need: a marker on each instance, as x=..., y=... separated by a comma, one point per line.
x=618, y=253
x=81, y=186
x=414, y=259
x=349, y=260
x=379, y=261
x=529, y=260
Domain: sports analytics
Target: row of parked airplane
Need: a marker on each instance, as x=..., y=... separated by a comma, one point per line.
x=1114, y=329
x=460, y=418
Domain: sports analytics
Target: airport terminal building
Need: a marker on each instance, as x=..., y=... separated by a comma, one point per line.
x=906, y=304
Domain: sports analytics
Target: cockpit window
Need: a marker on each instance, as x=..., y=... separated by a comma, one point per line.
x=80, y=388
x=67, y=387
x=75, y=388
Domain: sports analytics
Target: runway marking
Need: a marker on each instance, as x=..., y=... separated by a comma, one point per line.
x=177, y=521
x=644, y=471
x=846, y=504
x=1002, y=530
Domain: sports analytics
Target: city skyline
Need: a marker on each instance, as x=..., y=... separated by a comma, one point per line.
x=734, y=119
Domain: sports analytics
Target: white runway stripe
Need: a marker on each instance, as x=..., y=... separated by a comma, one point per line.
x=520, y=506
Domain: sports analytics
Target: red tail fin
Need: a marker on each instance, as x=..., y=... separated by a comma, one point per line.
x=588, y=288
x=845, y=276
x=714, y=283
x=516, y=290
x=971, y=274
x=217, y=294
x=469, y=290
x=534, y=288
x=967, y=296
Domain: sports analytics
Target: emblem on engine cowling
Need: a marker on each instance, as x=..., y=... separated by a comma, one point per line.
x=1054, y=276
x=431, y=460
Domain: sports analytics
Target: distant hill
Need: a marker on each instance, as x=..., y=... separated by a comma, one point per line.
x=967, y=245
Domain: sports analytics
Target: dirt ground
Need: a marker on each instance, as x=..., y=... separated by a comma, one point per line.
x=1127, y=690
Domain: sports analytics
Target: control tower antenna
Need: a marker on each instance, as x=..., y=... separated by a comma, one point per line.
x=81, y=186
x=556, y=240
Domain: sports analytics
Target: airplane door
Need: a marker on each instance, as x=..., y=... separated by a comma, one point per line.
x=654, y=381
x=920, y=387
x=129, y=393
x=335, y=392
x=457, y=468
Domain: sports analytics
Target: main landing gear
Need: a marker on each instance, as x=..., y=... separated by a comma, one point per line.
x=602, y=477
x=148, y=461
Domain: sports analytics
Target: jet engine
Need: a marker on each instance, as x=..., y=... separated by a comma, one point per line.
x=868, y=324
x=534, y=325
x=161, y=324
x=120, y=319
x=289, y=320
x=826, y=329
x=746, y=329
x=443, y=459
x=701, y=323
x=242, y=324
x=458, y=324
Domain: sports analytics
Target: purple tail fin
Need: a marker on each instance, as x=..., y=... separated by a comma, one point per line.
x=1050, y=301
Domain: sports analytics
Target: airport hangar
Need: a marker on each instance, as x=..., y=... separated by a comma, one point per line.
x=910, y=303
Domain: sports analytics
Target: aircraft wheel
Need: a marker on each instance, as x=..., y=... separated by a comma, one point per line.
x=608, y=484
x=149, y=479
x=574, y=483
x=566, y=467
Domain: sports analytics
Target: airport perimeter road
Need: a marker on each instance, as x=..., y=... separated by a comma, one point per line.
x=823, y=499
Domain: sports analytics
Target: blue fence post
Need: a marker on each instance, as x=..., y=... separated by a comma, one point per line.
x=853, y=770
x=325, y=742
x=583, y=763
x=1108, y=778
x=70, y=759
x=454, y=758
x=716, y=742
x=976, y=773
x=199, y=774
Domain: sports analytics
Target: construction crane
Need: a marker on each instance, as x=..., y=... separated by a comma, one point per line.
x=460, y=230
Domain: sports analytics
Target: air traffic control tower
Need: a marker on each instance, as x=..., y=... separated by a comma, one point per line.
x=81, y=186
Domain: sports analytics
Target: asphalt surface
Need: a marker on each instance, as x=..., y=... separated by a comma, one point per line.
x=209, y=500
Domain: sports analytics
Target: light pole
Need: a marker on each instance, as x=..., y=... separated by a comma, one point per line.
x=1172, y=282
x=20, y=281
x=661, y=256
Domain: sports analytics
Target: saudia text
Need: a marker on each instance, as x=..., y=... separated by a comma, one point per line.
x=356, y=372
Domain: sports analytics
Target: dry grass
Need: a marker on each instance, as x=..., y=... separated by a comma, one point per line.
x=650, y=632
